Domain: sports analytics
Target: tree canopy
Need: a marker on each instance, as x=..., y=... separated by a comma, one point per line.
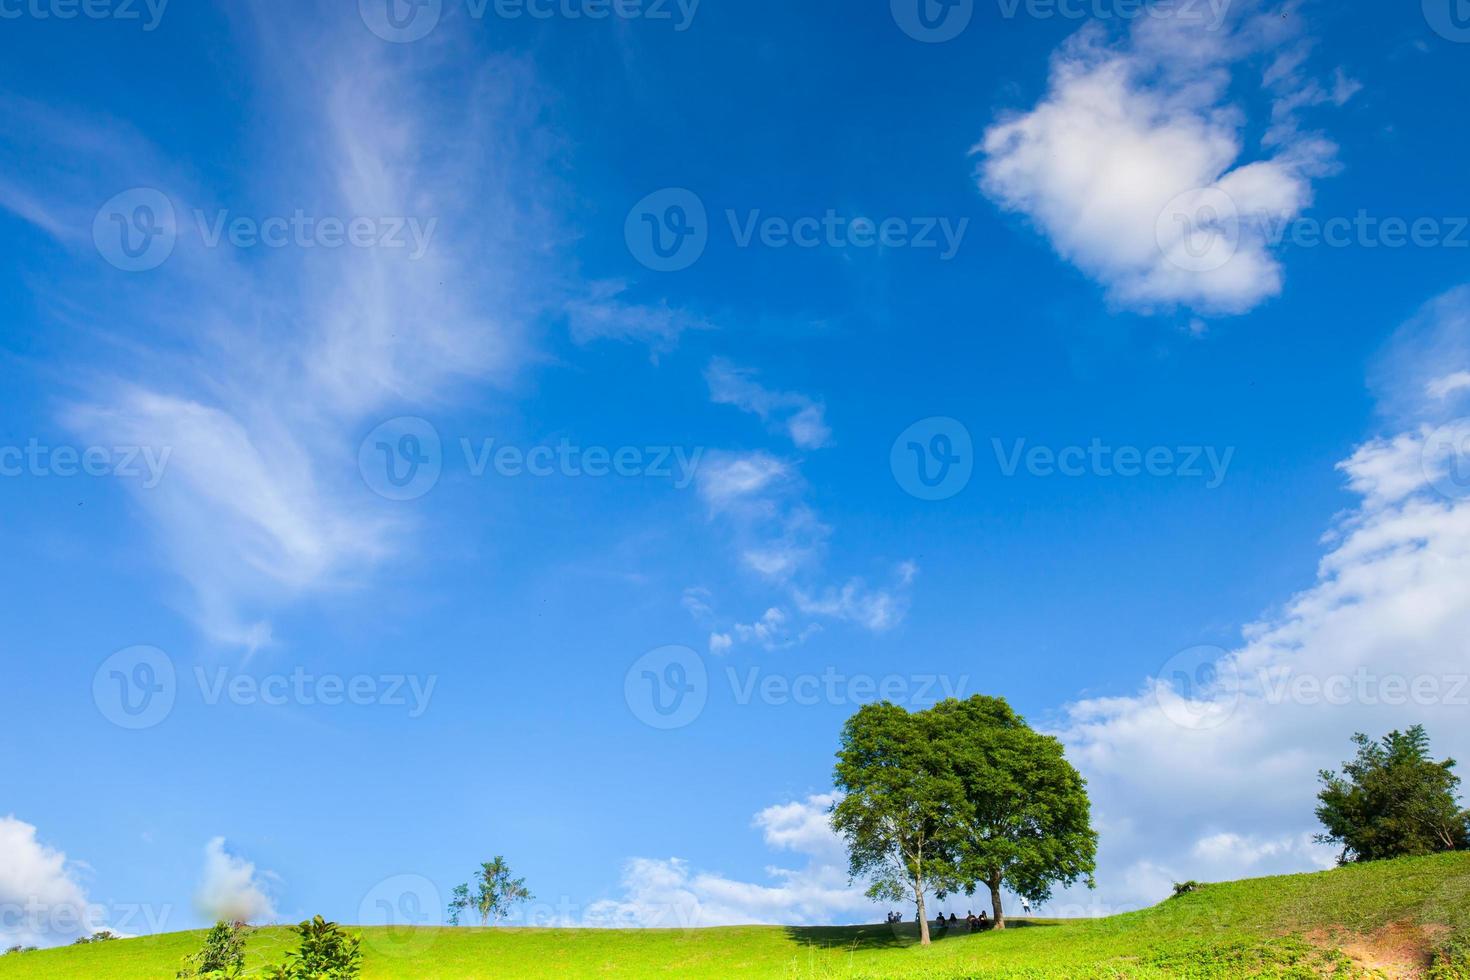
x=1393, y=800
x=956, y=797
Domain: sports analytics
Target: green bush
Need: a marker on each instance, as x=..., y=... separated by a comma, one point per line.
x=324, y=953
x=1451, y=960
x=222, y=957
x=1185, y=887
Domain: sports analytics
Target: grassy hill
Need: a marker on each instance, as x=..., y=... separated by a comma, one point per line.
x=1395, y=918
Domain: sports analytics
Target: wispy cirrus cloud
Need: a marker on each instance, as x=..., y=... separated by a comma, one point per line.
x=262, y=371
x=802, y=418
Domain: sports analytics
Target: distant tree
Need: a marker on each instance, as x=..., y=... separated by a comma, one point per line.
x=459, y=902
x=18, y=948
x=1393, y=800
x=1026, y=822
x=495, y=893
x=898, y=800
x=100, y=936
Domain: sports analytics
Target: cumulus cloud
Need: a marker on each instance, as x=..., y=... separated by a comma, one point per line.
x=42, y=902
x=802, y=418
x=230, y=889
x=1133, y=164
x=1209, y=771
x=668, y=893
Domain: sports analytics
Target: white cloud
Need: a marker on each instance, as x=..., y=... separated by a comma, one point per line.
x=230, y=889
x=1217, y=779
x=1132, y=164
x=875, y=609
x=667, y=893
x=604, y=315
x=262, y=372
x=731, y=481
x=42, y=903
x=1450, y=384
x=803, y=419
x=781, y=539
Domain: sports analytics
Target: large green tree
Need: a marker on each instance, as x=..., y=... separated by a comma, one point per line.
x=961, y=796
x=1026, y=822
x=1393, y=800
x=898, y=804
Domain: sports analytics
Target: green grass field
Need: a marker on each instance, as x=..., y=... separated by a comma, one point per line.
x=1384, y=919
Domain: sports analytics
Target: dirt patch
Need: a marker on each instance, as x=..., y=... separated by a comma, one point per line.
x=1400, y=950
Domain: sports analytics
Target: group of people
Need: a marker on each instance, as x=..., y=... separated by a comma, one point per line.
x=941, y=924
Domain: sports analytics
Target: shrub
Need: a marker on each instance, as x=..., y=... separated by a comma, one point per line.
x=324, y=953
x=222, y=956
x=101, y=936
x=1185, y=887
x=20, y=949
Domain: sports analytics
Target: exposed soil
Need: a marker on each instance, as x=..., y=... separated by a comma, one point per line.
x=1400, y=950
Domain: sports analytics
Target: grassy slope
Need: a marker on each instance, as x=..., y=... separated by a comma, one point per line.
x=1283, y=927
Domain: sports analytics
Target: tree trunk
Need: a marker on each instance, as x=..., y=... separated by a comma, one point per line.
x=996, y=910
x=923, y=920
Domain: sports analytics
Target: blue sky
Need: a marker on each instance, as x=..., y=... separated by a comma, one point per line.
x=1069, y=241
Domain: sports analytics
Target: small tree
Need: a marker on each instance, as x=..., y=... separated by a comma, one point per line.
x=495, y=894
x=1393, y=800
x=221, y=956
x=898, y=801
x=324, y=952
